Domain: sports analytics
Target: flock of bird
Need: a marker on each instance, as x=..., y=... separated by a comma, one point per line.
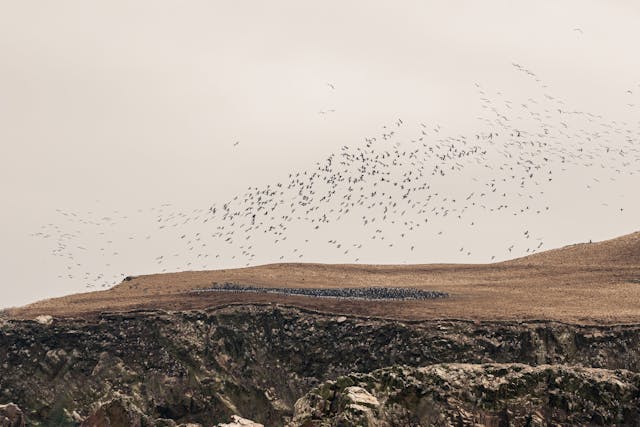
x=367, y=293
x=397, y=190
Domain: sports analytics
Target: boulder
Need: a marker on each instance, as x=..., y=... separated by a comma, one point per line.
x=44, y=319
x=237, y=421
x=360, y=396
x=11, y=416
x=117, y=413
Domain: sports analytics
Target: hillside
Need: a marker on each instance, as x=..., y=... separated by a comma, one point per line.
x=621, y=251
x=547, y=339
x=593, y=282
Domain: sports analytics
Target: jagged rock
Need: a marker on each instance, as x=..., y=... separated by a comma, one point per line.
x=117, y=413
x=468, y=394
x=44, y=319
x=165, y=422
x=204, y=366
x=237, y=421
x=11, y=416
x=361, y=397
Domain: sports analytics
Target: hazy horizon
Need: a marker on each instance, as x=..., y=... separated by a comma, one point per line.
x=118, y=116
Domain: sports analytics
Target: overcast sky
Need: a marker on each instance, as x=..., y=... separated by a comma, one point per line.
x=128, y=105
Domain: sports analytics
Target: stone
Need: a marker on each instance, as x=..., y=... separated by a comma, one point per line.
x=11, y=416
x=45, y=319
x=362, y=397
x=116, y=413
x=237, y=421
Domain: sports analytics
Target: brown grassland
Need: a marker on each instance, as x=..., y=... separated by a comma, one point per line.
x=584, y=283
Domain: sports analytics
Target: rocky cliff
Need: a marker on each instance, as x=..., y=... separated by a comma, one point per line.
x=154, y=368
x=468, y=394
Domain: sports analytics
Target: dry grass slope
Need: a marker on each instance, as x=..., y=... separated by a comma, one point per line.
x=585, y=283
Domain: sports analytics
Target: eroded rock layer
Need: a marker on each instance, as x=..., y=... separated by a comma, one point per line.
x=160, y=368
x=471, y=395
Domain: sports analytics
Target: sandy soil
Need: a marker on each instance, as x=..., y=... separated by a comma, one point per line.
x=586, y=283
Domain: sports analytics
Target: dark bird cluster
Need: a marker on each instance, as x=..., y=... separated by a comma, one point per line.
x=370, y=293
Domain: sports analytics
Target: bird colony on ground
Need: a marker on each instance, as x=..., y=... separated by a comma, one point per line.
x=369, y=293
x=404, y=187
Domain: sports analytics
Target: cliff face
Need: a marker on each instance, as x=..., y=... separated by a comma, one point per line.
x=465, y=394
x=157, y=368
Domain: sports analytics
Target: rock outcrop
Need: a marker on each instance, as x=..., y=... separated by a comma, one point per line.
x=117, y=412
x=237, y=421
x=11, y=416
x=473, y=395
x=44, y=319
x=203, y=367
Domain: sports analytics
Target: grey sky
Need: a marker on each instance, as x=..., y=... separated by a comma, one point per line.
x=121, y=105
